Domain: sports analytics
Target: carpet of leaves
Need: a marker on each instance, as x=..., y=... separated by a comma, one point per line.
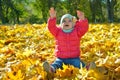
x=23, y=49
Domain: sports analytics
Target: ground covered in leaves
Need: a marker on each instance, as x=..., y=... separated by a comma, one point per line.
x=23, y=48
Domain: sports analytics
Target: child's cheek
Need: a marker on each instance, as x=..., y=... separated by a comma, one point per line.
x=62, y=26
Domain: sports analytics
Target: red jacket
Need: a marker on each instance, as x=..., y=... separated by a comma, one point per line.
x=68, y=44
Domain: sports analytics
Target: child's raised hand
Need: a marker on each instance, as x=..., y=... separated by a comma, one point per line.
x=80, y=15
x=52, y=12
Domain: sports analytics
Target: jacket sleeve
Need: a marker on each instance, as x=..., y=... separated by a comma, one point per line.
x=52, y=26
x=82, y=27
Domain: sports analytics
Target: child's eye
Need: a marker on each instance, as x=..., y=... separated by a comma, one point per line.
x=64, y=21
x=70, y=21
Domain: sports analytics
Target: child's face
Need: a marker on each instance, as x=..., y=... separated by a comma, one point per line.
x=67, y=24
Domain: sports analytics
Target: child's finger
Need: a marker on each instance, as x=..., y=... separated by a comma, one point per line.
x=79, y=13
x=52, y=12
x=52, y=9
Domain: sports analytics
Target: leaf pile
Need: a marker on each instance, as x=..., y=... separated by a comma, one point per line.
x=23, y=49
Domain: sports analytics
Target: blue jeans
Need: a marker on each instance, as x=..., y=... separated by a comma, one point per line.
x=76, y=62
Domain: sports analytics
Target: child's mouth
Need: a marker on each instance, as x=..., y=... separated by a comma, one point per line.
x=67, y=25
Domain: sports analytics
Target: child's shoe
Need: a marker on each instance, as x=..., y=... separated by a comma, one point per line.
x=99, y=69
x=47, y=67
x=49, y=70
x=92, y=65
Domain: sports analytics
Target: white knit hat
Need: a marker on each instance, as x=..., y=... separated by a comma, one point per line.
x=66, y=16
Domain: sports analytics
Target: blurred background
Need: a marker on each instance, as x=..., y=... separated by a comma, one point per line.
x=37, y=11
